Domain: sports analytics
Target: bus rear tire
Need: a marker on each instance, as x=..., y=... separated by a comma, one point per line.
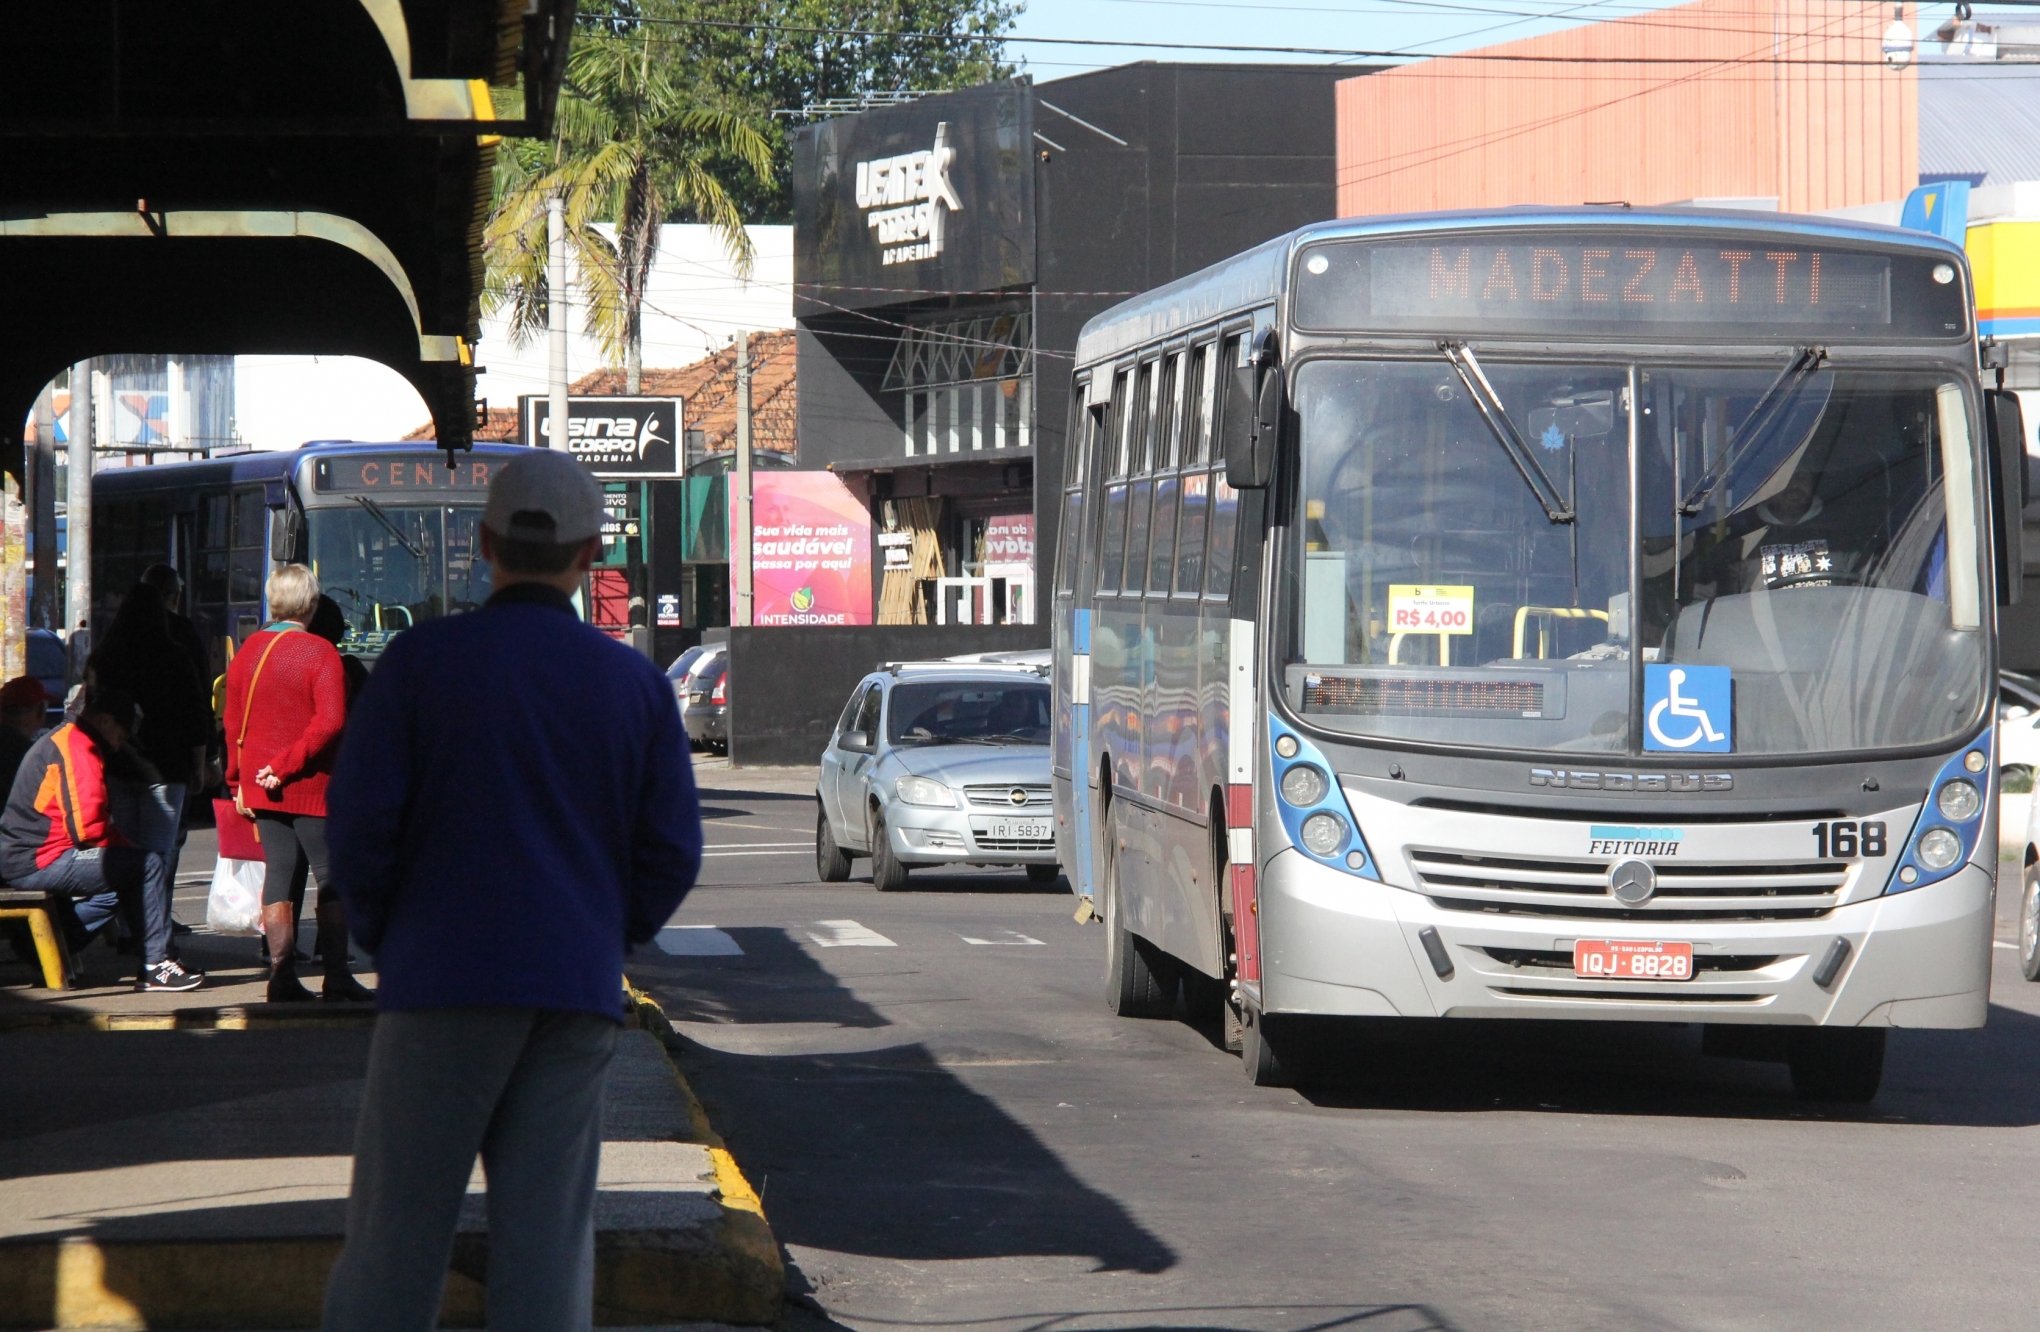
x=1138, y=980
x=1259, y=1052
x=1844, y=1064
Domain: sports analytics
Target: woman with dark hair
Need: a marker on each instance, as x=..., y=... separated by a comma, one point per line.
x=139, y=657
x=286, y=703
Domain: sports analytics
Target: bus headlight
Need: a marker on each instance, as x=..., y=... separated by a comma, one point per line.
x=1324, y=833
x=926, y=792
x=1959, y=801
x=1939, y=848
x=1303, y=785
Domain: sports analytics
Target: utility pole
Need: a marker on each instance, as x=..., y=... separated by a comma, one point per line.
x=78, y=504
x=41, y=497
x=556, y=322
x=740, y=534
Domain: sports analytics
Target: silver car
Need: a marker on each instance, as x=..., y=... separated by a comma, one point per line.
x=938, y=763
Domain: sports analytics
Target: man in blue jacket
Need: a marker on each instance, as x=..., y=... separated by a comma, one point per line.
x=513, y=806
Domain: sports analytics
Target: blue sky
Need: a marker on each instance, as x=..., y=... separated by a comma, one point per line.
x=1423, y=26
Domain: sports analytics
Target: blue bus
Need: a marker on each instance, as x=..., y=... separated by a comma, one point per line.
x=389, y=528
x=1565, y=614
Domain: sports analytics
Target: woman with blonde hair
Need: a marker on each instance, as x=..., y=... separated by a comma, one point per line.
x=286, y=704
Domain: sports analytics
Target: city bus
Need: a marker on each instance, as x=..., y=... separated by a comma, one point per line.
x=1565, y=614
x=389, y=529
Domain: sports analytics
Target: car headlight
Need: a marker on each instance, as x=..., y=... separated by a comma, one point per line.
x=1958, y=801
x=1939, y=848
x=1324, y=833
x=1303, y=786
x=924, y=791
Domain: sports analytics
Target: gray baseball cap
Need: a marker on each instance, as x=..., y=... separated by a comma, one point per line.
x=544, y=495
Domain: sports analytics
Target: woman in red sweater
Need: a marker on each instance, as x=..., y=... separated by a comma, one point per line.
x=286, y=703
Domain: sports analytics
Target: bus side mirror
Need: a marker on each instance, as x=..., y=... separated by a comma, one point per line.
x=287, y=536
x=1254, y=420
x=2006, y=431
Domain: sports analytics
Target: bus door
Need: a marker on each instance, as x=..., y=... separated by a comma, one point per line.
x=1075, y=579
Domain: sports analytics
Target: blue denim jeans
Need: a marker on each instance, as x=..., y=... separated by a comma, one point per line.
x=134, y=876
x=152, y=817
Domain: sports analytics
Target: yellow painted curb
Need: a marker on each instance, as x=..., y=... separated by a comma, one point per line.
x=232, y=1018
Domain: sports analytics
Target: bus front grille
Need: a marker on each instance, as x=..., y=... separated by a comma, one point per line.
x=1517, y=885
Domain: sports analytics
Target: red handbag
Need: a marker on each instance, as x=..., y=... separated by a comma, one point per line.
x=239, y=839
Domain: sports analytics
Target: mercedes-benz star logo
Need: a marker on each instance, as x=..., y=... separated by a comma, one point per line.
x=1633, y=882
x=1018, y=796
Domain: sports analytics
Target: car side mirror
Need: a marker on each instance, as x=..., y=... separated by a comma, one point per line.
x=856, y=741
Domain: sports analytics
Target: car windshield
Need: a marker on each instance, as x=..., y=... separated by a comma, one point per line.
x=1799, y=545
x=682, y=663
x=968, y=712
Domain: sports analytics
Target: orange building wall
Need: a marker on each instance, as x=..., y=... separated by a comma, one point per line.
x=1724, y=121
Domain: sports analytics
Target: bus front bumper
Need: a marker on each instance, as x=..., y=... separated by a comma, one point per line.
x=1335, y=944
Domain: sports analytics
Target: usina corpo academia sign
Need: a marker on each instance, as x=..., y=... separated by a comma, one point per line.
x=630, y=438
x=904, y=200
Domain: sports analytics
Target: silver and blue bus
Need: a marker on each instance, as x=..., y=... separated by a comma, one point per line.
x=1565, y=614
x=389, y=528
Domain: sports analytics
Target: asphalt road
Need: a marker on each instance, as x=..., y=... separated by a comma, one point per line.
x=950, y=1130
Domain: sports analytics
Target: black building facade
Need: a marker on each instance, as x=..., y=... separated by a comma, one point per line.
x=948, y=251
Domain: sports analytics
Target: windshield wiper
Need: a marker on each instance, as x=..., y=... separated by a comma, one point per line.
x=1768, y=405
x=376, y=511
x=1496, y=417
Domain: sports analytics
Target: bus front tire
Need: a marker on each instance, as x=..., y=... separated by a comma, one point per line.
x=1843, y=1064
x=1138, y=981
x=1259, y=1052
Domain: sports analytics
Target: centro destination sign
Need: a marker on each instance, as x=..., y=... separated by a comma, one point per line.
x=1630, y=283
x=627, y=438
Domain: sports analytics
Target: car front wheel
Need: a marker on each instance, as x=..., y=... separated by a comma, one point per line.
x=832, y=862
x=887, y=874
x=2029, y=925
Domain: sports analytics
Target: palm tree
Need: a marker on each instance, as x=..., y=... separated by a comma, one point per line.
x=631, y=148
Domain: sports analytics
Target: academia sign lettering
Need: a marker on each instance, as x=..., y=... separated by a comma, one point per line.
x=634, y=438
x=906, y=199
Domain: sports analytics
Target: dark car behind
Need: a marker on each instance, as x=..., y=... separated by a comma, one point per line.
x=708, y=706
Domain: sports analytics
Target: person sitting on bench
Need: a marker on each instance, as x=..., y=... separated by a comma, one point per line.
x=57, y=834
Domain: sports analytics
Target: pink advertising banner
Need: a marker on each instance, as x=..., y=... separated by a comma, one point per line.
x=810, y=550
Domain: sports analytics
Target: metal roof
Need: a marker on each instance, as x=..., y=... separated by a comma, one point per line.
x=1979, y=122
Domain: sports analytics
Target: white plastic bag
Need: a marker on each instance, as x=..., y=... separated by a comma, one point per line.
x=234, y=906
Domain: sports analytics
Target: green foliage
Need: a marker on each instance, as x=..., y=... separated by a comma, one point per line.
x=778, y=56
x=667, y=114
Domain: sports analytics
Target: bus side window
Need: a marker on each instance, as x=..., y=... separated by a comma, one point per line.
x=1168, y=419
x=1225, y=521
x=1162, y=556
x=1137, y=537
x=1116, y=424
x=1137, y=452
x=1112, y=548
x=1190, y=534
x=1197, y=408
x=1069, y=542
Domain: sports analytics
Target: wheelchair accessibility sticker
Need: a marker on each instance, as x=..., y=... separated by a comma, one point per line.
x=1688, y=709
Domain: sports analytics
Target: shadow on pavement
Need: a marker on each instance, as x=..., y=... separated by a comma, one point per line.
x=803, y=1315
x=937, y=1171
x=1974, y=1079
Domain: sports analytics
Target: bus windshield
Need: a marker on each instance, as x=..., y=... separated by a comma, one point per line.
x=390, y=566
x=1796, y=530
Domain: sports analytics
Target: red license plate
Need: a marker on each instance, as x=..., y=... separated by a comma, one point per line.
x=1629, y=959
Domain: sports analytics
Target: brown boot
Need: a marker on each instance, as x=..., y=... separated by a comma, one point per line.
x=340, y=986
x=279, y=929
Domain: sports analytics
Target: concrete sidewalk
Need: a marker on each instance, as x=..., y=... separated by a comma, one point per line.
x=182, y=1161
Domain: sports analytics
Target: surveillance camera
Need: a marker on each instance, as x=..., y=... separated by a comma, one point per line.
x=1898, y=44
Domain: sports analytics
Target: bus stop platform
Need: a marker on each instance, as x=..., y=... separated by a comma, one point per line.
x=182, y=1161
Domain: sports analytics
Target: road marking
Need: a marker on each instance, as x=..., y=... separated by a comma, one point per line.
x=1006, y=938
x=730, y=846
x=847, y=934
x=712, y=853
x=2002, y=944
x=697, y=941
